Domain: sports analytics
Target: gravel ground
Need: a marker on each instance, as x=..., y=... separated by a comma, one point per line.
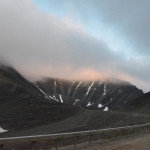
x=142, y=142
x=84, y=120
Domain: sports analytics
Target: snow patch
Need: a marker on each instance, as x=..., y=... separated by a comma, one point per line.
x=2, y=130
x=89, y=104
x=70, y=88
x=47, y=97
x=42, y=92
x=55, y=98
x=106, y=109
x=104, y=90
x=76, y=101
x=89, y=89
x=51, y=97
x=78, y=85
x=100, y=105
x=120, y=91
x=55, y=83
x=61, y=100
x=100, y=83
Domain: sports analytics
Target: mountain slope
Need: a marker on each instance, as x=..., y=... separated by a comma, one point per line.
x=93, y=95
x=13, y=85
x=138, y=105
x=21, y=106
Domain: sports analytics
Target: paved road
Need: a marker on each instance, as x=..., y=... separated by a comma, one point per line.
x=133, y=143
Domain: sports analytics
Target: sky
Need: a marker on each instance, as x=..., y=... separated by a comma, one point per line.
x=77, y=39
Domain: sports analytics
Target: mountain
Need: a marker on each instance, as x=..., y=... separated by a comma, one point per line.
x=54, y=105
x=90, y=95
x=15, y=86
x=21, y=107
x=139, y=105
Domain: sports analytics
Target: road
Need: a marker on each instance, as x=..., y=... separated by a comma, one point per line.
x=141, y=142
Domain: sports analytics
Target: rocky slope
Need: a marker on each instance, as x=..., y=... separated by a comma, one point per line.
x=137, y=105
x=91, y=95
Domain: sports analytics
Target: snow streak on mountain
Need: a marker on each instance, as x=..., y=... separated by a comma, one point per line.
x=92, y=95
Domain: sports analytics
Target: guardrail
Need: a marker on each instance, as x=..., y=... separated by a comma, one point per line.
x=109, y=133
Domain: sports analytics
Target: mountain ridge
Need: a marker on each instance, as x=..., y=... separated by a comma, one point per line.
x=88, y=94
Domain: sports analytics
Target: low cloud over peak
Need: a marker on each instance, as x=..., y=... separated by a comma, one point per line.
x=42, y=44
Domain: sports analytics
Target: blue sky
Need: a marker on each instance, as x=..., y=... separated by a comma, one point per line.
x=49, y=6
x=78, y=39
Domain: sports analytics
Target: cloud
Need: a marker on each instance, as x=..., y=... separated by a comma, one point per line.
x=129, y=18
x=40, y=44
x=29, y=35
